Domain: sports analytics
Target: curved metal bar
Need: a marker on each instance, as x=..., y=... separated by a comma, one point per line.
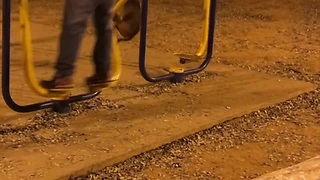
x=6, y=24
x=142, y=48
x=83, y=97
x=212, y=24
x=200, y=54
x=204, y=43
x=143, y=37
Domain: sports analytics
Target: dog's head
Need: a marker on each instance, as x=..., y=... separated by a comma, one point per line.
x=128, y=20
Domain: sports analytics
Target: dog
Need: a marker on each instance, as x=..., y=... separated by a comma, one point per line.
x=128, y=21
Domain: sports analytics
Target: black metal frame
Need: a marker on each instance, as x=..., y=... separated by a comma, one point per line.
x=173, y=76
x=6, y=32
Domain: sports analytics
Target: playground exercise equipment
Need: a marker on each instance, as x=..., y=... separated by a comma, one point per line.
x=204, y=52
x=201, y=53
x=60, y=100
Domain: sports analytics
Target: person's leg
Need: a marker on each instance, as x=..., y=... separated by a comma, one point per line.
x=103, y=46
x=76, y=14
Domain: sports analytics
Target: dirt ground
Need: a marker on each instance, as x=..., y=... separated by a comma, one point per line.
x=279, y=37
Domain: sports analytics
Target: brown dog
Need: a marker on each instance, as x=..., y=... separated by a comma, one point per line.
x=129, y=20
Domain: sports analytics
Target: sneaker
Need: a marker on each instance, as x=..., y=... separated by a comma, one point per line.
x=99, y=81
x=58, y=84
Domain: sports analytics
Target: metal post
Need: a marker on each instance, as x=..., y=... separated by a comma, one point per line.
x=6, y=28
x=173, y=76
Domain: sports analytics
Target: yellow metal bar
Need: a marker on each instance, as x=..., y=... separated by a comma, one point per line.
x=201, y=52
x=28, y=56
x=115, y=61
x=205, y=30
x=119, y=5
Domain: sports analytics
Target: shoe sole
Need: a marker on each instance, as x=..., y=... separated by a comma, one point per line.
x=99, y=87
x=60, y=89
x=103, y=85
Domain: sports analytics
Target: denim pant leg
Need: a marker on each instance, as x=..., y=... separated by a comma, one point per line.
x=76, y=15
x=103, y=46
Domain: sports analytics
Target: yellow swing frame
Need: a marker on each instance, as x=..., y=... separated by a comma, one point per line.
x=201, y=52
x=28, y=55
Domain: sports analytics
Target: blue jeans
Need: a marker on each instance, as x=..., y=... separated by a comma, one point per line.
x=76, y=16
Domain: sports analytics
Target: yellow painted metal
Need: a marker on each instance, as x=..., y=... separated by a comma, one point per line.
x=115, y=65
x=205, y=30
x=62, y=97
x=115, y=61
x=28, y=56
x=117, y=8
x=201, y=52
x=176, y=70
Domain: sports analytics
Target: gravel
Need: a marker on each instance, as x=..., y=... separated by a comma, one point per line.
x=291, y=71
x=167, y=87
x=231, y=134
x=18, y=135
